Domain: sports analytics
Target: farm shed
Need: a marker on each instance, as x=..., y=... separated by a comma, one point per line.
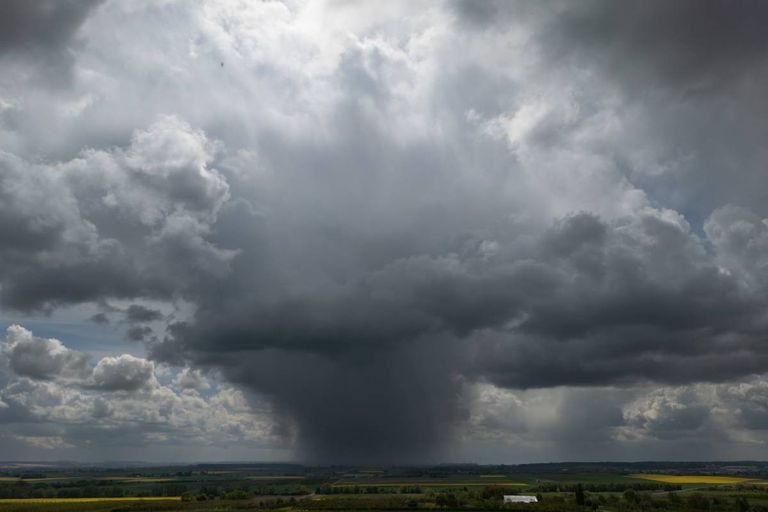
x=520, y=499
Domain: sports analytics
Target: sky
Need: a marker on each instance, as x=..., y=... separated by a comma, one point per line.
x=383, y=232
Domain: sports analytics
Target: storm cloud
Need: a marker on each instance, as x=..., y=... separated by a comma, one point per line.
x=394, y=227
x=45, y=25
x=38, y=39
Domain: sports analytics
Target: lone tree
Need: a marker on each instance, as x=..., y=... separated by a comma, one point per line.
x=581, y=498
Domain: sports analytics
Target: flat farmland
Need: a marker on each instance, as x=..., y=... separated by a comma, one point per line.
x=293, y=488
x=77, y=504
x=497, y=480
x=697, y=479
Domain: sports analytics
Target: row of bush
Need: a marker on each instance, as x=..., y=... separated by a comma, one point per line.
x=368, y=489
x=605, y=487
x=88, y=491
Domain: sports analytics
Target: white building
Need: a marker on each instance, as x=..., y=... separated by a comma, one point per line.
x=520, y=499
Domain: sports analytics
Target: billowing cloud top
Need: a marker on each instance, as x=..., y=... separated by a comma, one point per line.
x=389, y=232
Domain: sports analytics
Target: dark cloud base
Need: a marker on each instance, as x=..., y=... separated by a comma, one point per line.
x=377, y=231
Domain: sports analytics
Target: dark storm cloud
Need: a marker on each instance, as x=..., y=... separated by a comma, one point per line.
x=100, y=318
x=692, y=73
x=136, y=313
x=686, y=43
x=388, y=405
x=696, y=70
x=480, y=13
x=631, y=302
x=365, y=361
x=38, y=35
x=139, y=333
x=594, y=303
x=46, y=25
x=361, y=260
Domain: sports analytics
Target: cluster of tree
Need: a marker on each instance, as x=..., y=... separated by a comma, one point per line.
x=449, y=500
x=632, y=501
x=487, y=498
x=265, y=504
x=749, y=487
x=381, y=502
x=368, y=489
x=16, y=491
x=30, y=475
x=606, y=487
x=86, y=489
x=167, y=490
x=495, y=492
x=279, y=490
x=239, y=495
x=207, y=495
x=216, y=493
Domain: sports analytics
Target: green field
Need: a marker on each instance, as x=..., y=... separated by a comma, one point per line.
x=428, y=484
x=210, y=488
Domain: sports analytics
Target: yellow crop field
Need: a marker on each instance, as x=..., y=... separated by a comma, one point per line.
x=493, y=476
x=50, y=478
x=692, y=479
x=86, y=500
